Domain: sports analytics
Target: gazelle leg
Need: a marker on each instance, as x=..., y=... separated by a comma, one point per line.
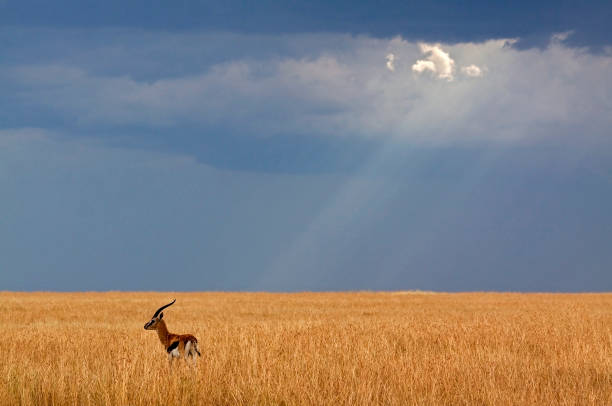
x=173, y=354
x=194, y=356
x=187, y=349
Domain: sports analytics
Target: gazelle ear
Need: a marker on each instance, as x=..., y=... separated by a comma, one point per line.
x=161, y=315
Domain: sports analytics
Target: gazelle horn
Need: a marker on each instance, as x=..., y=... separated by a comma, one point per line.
x=163, y=307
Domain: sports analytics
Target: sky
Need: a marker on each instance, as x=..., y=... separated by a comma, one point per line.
x=305, y=146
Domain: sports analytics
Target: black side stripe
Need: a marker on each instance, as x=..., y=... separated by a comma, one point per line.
x=172, y=346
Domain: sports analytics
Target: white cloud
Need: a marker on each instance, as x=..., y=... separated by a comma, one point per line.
x=440, y=63
x=390, y=58
x=421, y=66
x=436, y=60
x=472, y=71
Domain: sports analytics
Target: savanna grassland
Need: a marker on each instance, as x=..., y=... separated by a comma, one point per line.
x=315, y=349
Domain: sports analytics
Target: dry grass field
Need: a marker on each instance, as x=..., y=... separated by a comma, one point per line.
x=312, y=349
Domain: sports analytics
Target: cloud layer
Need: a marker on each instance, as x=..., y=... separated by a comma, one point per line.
x=322, y=85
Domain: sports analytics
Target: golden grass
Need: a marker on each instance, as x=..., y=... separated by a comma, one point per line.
x=397, y=348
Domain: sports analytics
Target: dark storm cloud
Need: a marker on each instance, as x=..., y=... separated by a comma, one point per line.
x=447, y=21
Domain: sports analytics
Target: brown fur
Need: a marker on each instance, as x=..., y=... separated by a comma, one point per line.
x=168, y=338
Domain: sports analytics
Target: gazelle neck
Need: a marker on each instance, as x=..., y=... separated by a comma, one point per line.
x=162, y=332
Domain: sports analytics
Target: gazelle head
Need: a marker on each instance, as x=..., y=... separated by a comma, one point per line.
x=152, y=324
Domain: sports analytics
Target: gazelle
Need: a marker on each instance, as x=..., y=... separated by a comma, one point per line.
x=175, y=344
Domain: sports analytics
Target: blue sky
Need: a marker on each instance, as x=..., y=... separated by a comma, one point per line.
x=293, y=146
